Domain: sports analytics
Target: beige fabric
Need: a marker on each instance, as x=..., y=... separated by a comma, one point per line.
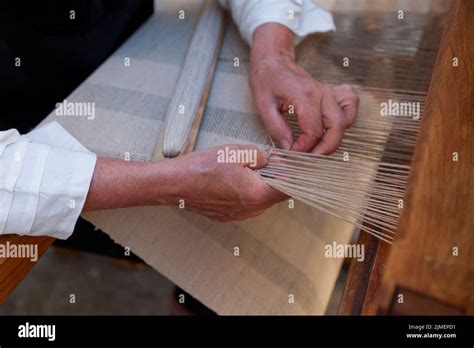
x=281, y=252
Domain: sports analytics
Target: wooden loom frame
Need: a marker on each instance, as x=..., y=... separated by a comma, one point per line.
x=441, y=283
x=371, y=286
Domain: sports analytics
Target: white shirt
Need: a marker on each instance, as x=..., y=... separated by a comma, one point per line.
x=303, y=17
x=45, y=175
x=44, y=180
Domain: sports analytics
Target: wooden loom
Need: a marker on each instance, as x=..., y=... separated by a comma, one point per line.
x=439, y=201
x=288, y=174
x=363, y=285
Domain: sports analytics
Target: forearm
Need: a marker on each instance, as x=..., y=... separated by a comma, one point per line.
x=220, y=191
x=119, y=184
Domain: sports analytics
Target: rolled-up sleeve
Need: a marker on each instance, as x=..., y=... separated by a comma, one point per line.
x=44, y=180
x=303, y=17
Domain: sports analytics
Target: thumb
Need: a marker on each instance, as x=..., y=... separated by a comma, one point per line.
x=250, y=156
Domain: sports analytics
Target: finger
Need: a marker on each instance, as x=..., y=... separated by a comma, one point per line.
x=330, y=141
x=246, y=155
x=351, y=113
x=335, y=123
x=257, y=157
x=348, y=101
x=274, y=122
x=310, y=123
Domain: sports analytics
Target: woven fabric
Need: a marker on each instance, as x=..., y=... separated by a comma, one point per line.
x=281, y=253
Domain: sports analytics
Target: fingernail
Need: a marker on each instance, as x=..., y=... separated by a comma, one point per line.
x=285, y=144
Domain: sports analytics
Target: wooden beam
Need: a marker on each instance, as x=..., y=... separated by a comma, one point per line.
x=432, y=256
x=13, y=270
x=361, y=288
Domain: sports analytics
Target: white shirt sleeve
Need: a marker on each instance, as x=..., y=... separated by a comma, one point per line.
x=44, y=180
x=303, y=17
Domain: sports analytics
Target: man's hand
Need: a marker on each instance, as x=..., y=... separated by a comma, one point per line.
x=279, y=85
x=220, y=191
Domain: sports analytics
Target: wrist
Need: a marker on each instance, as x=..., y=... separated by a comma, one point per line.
x=272, y=40
x=166, y=180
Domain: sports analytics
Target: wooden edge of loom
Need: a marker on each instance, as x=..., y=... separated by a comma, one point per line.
x=191, y=139
x=420, y=264
x=439, y=199
x=364, y=278
x=13, y=270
